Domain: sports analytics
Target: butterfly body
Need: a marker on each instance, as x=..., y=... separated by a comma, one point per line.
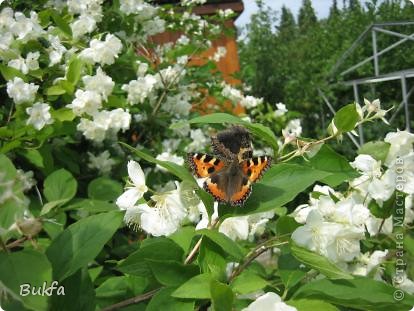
x=232, y=171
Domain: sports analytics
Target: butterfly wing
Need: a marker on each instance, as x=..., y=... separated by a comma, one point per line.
x=255, y=167
x=203, y=165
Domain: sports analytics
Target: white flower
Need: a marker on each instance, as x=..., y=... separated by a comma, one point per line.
x=83, y=25
x=220, y=53
x=192, y=2
x=136, y=189
x=136, y=7
x=26, y=178
x=292, y=130
x=142, y=68
x=99, y=83
x=374, y=110
x=162, y=219
x=92, y=130
x=225, y=13
x=183, y=40
x=269, y=302
x=373, y=225
x=153, y=26
x=178, y=105
x=119, y=119
x=24, y=28
x=406, y=285
x=39, y=115
x=366, y=263
x=316, y=234
x=26, y=65
x=257, y=223
x=231, y=93
x=102, y=162
x=102, y=52
x=250, y=102
x=401, y=145
x=198, y=140
x=20, y=91
x=88, y=102
x=167, y=156
x=345, y=246
x=236, y=228
x=56, y=50
x=281, y=110
x=138, y=90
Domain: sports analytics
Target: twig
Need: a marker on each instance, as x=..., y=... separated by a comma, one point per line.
x=381, y=225
x=193, y=252
x=16, y=243
x=3, y=245
x=131, y=301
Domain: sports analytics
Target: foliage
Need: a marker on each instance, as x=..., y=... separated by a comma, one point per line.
x=93, y=103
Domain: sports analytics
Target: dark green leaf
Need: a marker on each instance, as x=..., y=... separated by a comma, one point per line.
x=197, y=287
x=172, y=273
x=158, y=249
x=221, y=296
x=105, y=189
x=286, y=225
x=60, y=185
x=346, y=118
x=26, y=267
x=81, y=242
x=311, y=305
x=360, y=293
x=61, y=23
x=227, y=244
x=74, y=70
x=165, y=302
x=248, y=282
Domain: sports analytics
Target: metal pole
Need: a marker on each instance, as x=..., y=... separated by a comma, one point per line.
x=375, y=51
x=360, y=130
x=405, y=100
x=401, y=105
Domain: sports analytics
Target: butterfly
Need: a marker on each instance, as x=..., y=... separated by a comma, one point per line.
x=231, y=173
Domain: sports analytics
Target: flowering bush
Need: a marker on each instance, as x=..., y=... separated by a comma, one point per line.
x=91, y=103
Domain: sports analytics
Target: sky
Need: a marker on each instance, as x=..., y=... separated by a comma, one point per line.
x=321, y=8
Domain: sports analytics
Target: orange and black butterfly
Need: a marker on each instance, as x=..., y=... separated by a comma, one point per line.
x=231, y=173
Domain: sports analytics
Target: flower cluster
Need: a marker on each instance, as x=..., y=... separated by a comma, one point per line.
x=335, y=224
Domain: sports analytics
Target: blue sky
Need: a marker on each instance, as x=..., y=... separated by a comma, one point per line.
x=321, y=7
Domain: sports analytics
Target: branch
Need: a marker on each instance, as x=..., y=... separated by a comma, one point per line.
x=193, y=252
x=132, y=300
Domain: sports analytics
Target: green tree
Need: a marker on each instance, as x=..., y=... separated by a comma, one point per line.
x=307, y=17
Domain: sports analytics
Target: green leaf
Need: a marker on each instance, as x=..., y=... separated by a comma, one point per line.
x=361, y=293
x=81, y=242
x=9, y=73
x=227, y=244
x=385, y=210
x=318, y=262
x=280, y=185
x=60, y=185
x=158, y=249
x=26, y=267
x=256, y=129
x=311, y=305
x=197, y=287
x=51, y=205
x=74, y=70
x=63, y=114
x=79, y=293
x=104, y=189
x=33, y=156
x=286, y=225
x=248, y=282
x=221, y=295
x=119, y=286
x=172, y=273
x=55, y=90
x=376, y=149
x=163, y=300
x=290, y=270
x=92, y=206
x=61, y=23
x=183, y=237
x=346, y=118
x=328, y=160
x=177, y=170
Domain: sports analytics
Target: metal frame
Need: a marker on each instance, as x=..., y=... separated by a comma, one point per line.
x=377, y=77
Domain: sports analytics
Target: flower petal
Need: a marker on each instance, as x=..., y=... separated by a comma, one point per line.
x=136, y=174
